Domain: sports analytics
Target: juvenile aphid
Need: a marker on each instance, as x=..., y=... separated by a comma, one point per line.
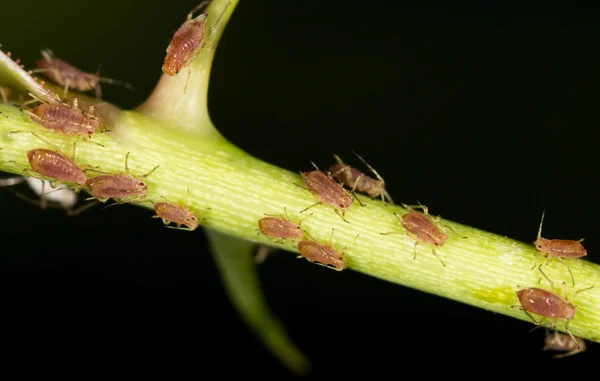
x=549, y=305
x=280, y=227
x=423, y=228
x=327, y=190
x=321, y=254
x=67, y=75
x=123, y=187
x=561, y=342
x=64, y=119
x=358, y=181
x=558, y=248
x=178, y=214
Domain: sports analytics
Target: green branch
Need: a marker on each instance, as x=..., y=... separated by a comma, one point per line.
x=173, y=130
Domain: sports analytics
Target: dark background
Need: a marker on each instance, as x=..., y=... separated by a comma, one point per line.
x=485, y=114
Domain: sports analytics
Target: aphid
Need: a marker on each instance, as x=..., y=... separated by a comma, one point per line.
x=423, y=229
x=67, y=75
x=558, y=248
x=277, y=227
x=327, y=190
x=119, y=186
x=549, y=305
x=185, y=44
x=64, y=119
x=358, y=181
x=563, y=343
x=321, y=254
x=178, y=214
x=55, y=166
x=4, y=94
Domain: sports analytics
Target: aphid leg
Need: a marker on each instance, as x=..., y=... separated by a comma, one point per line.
x=452, y=230
x=34, y=100
x=412, y=207
x=548, y=279
x=415, y=249
x=571, y=334
x=395, y=232
x=66, y=88
x=384, y=194
x=576, y=294
x=535, y=260
x=434, y=253
x=355, y=197
x=74, y=212
x=568, y=268
x=313, y=205
x=341, y=214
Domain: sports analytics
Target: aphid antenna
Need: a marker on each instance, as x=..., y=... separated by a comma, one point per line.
x=112, y=81
x=541, y=223
x=197, y=8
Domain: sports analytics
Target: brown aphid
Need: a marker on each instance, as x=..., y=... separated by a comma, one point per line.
x=558, y=248
x=423, y=229
x=67, y=75
x=123, y=187
x=278, y=227
x=55, y=166
x=358, y=181
x=178, y=214
x=549, y=305
x=561, y=342
x=327, y=190
x=321, y=254
x=65, y=119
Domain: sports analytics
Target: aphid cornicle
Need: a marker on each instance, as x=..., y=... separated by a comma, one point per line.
x=178, y=214
x=123, y=187
x=64, y=119
x=67, y=75
x=280, y=227
x=423, y=229
x=322, y=254
x=558, y=248
x=327, y=190
x=549, y=305
x=561, y=342
x=358, y=181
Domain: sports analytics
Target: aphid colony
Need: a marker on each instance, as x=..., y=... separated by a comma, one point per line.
x=326, y=186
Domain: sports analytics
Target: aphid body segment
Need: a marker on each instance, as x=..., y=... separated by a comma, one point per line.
x=177, y=214
x=558, y=248
x=358, y=181
x=423, y=229
x=185, y=44
x=561, y=342
x=322, y=254
x=119, y=186
x=67, y=75
x=548, y=305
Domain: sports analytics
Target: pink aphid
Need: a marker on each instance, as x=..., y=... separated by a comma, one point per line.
x=358, y=181
x=563, y=343
x=322, y=254
x=67, y=75
x=65, y=119
x=280, y=227
x=558, y=248
x=185, y=44
x=423, y=229
x=178, y=214
x=120, y=186
x=548, y=305
x=327, y=190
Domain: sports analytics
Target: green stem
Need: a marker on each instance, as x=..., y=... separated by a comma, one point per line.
x=173, y=130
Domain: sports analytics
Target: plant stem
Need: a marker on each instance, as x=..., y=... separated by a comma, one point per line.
x=483, y=270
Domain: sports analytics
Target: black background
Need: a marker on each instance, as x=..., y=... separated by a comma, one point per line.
x=487, y=114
